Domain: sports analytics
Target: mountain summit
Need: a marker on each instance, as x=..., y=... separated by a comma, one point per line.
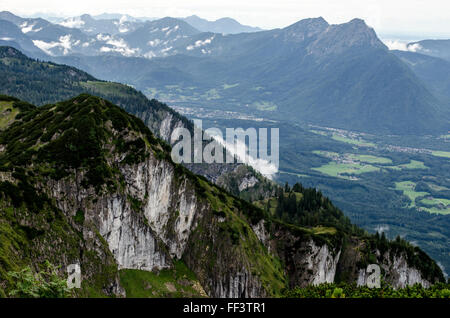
x=223, y=25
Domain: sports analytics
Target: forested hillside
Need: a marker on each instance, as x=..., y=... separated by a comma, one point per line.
x=83, y=181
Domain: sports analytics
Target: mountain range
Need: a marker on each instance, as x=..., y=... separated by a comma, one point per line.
x=279, y=73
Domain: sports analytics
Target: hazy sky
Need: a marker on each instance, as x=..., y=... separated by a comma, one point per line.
x=415, y=17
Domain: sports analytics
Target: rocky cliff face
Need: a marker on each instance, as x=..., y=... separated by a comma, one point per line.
x=151, y=236
x=314, y=260
x=136, y=206
x=397, y=272
x=133, y=208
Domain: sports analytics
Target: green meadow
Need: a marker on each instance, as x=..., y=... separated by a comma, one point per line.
x=425, y=202
x=343, y=170
x=444, y=154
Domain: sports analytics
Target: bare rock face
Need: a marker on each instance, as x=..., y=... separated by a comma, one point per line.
x=133, y=245
x=395, y=268
x=248, y=183
x=400, y=274
x=168, y=125
x=173, y=222
x=169, y=205
x=238, y=285
x=160, y=231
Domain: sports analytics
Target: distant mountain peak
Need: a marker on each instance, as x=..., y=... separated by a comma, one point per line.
x=305, y=28
x=171, y=22
x=358, y=21
x=224, y=25
x=338, y=38
x=168, y=20
x=86, y=17
x=11, y=17
x=309, y=23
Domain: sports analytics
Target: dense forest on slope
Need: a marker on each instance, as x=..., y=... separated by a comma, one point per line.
x=307, y=207
x=41, y=83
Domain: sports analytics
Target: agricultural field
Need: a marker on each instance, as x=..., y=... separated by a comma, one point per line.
x=423, y=200
x=345, y=170
x=370, y=159
x=413, y=164
x=445, y=154
x=408, y=189
x=347, y=165
x=264, y=106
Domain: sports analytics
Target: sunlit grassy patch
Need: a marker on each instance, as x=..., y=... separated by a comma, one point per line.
x=408, y=189
x=176, y=282
x=370, y=159
x=445, y=154
x=436, y=205
x=7, y=113
x=343, y=170
x=413, y=164
x=264, y=106
x=323, y=230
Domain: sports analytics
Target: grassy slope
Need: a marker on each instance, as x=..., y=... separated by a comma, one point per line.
x=177, y=282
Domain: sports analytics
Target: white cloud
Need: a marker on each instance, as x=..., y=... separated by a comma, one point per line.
x=154, y=42
x=402, y=46
x=73, y=23
x=121, y=24
x=105, y=49
x=123, y=19
x=118, y=45
x=167, y=49
x=149, y=54
x=382, y=228
x=200, y=43
x=172, y=30
x=25, y=28
x=264, y=167
x=103, y=37
x=65, y=43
